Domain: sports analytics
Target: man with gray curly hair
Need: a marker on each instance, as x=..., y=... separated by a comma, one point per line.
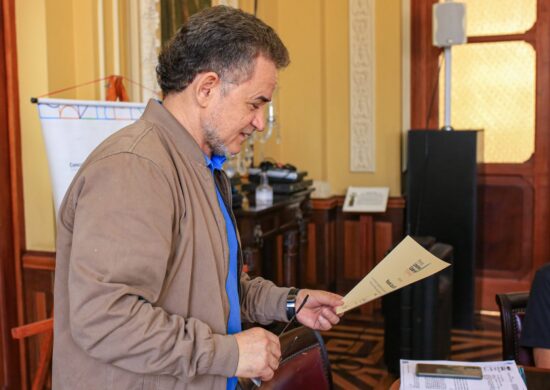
x=149, y=287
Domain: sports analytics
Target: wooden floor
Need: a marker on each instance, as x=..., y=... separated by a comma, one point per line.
x=356, y=350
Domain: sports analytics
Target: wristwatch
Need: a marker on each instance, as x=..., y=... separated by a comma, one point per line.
x=291, y=303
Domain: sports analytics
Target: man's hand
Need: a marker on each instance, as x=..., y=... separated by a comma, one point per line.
x=319, y=311
x=259, y=354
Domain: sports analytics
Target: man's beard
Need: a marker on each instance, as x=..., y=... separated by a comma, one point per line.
x=213, y=140
x=211, y=136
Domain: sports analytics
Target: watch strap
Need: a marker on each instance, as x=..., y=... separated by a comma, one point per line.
x=291, y=303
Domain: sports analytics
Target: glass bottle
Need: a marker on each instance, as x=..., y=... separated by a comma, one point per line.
x=264, y=192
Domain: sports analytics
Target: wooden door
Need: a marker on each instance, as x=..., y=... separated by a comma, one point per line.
x=513, y=230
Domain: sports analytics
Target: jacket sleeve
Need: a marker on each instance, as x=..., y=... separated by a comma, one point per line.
x=262, y=301
x=122, y=242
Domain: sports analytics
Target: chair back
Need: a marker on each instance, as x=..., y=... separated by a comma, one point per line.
x=512, y=312
x=45, y=328
x=304, y=363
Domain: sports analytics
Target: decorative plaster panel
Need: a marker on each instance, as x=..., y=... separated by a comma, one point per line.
x=362, y=130
x=150, y=46
x=231, y=3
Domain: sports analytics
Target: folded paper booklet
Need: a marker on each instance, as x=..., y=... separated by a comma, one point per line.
x=407, y=263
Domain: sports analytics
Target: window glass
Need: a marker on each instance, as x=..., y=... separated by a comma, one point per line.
x=493, y=88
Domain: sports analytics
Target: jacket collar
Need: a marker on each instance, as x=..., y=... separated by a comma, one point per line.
x=160, y=116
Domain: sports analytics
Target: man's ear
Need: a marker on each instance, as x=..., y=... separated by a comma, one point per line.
x=206, y=85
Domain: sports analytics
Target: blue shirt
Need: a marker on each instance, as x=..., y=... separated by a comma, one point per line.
x=231, y=284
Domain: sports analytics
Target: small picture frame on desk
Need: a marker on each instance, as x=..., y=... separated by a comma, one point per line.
x=366, y=199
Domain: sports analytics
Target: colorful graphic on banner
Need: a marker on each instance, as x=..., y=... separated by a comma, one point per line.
x=73, y=128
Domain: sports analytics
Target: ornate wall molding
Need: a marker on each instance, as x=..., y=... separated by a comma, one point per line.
x=361, y=56
x=149, y=15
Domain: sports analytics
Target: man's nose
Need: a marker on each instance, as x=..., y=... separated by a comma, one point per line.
x=259, y=120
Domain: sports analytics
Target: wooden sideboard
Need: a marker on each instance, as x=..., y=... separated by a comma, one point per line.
x=274, y=238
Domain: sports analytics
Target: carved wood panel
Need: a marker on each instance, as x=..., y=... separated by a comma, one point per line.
x=505, y=234
x=320, y=268
x=354, y=244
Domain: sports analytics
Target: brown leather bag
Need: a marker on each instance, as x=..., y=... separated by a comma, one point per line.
x=304, y=363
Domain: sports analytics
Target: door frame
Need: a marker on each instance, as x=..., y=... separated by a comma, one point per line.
x=12, y=244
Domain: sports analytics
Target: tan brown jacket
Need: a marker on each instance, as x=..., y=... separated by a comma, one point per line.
x=142, y=260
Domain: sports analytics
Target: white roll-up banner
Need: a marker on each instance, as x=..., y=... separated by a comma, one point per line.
x=73, y=128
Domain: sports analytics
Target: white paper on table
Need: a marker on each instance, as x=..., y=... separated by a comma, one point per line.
x=407, y=263
x=496, y=375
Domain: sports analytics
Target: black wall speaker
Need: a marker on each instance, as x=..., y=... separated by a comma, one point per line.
x=441, y=195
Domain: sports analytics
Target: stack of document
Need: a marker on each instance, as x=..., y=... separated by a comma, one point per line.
x=496, y=375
